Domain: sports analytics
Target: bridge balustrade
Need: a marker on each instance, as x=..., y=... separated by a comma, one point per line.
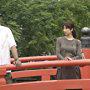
x=45, y=70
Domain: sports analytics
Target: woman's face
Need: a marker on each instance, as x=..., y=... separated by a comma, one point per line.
x=67, y=31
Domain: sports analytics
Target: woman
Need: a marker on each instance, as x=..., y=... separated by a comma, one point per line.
x=68, y=48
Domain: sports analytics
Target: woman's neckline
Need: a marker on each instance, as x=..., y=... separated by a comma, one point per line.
x=69, y=39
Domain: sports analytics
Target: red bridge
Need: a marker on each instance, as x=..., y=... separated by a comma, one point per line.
x=45, y=70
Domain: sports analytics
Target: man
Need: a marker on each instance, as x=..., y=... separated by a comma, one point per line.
x=7, y=43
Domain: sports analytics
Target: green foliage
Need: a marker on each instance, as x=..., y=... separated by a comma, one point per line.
x=37, y=23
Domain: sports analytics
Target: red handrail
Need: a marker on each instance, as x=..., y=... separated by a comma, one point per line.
x=36, y=58
x=48, y=64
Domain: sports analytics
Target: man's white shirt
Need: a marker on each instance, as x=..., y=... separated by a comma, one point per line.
x=6, y=42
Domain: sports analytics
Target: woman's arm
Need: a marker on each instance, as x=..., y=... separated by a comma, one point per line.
x=58, y=49
x=78, y=53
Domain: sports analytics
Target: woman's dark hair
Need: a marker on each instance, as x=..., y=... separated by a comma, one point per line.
x=70, y=25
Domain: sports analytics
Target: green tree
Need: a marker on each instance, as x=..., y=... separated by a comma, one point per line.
x=37, y=23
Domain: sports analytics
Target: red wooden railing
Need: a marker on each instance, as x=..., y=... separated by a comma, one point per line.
x=86, y=69
x=83, y=84
x=45, y=74
x=46, y=83
x=36, y=58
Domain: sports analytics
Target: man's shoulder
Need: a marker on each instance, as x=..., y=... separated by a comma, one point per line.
x=4, y=27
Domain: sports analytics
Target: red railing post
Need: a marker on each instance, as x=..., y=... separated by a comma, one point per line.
x=2, y=76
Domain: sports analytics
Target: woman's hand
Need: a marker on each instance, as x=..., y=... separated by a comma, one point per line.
x=68, y=58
